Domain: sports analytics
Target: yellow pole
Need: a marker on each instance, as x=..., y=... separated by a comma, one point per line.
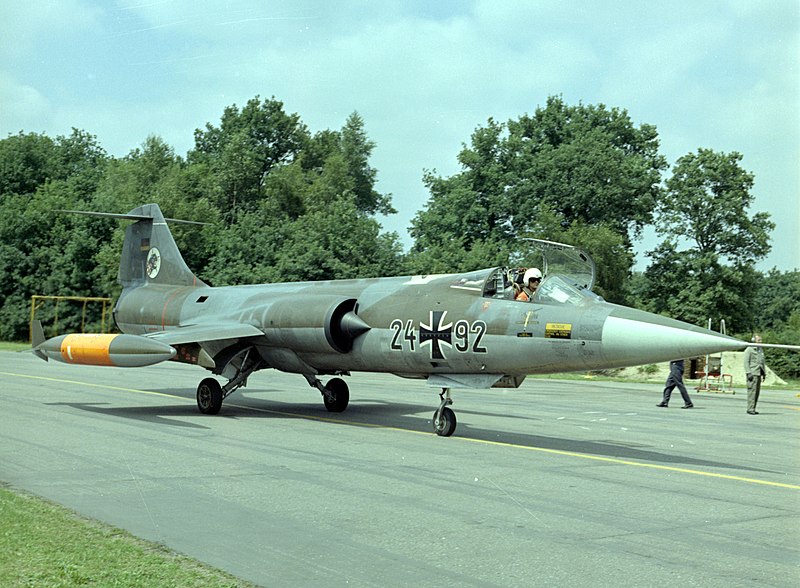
x=30, y=325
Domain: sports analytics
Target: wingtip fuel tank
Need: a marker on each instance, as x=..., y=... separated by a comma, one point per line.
x=105, y=349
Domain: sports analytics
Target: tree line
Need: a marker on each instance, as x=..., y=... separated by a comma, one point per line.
x=288, y=204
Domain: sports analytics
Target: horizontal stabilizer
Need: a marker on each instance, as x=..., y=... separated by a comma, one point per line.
x=133, y=217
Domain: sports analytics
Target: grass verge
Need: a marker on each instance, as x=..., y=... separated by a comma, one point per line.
x=6, y=346
x=42, y=544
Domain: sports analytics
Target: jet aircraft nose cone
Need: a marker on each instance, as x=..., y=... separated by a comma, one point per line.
x=635, y=337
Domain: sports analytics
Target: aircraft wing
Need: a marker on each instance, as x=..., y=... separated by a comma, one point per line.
x=205, y=332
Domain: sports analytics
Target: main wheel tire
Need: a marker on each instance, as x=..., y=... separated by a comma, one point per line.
x=209, y=396
x=337, y=395
x=445, y=425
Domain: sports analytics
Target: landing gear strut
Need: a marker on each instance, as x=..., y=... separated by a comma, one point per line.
x=210, y=393
x=444, y=419
x=335, y=394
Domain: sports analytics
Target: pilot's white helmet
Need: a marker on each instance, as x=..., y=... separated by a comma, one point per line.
x=532, y=273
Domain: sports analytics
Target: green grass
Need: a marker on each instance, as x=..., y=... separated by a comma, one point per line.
x=42, y=544
x=6, y=346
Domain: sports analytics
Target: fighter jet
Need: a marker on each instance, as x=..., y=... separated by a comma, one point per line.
x=461, y=330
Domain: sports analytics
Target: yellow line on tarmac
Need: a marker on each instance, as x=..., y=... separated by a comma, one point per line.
x=89, y=384
x=636, y=463
x=540, y=449
x=463, y=439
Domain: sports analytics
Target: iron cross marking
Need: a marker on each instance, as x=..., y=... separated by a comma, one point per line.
x=436, y=333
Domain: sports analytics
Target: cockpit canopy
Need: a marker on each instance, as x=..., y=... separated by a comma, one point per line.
x=574, y=265
x=568, y=277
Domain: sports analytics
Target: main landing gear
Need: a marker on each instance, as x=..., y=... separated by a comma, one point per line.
x=335, y=394
x=444, y=419
x=210, y=393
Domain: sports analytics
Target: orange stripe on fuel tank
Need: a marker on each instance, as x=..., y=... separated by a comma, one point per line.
x=87, y=349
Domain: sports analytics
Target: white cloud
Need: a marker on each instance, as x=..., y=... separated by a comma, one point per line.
x=24, y=23
x=423, y=76
x=24, y=108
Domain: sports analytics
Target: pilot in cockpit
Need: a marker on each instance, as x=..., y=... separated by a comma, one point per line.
x=530, y=281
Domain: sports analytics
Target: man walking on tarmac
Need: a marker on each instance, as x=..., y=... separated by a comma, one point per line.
x=675, y=378
x=756, y=370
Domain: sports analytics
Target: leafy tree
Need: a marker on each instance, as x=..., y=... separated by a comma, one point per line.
x=778, y=298
x=331, y=242
x=784, y=362
x=457, y=255
x=44, y=252
x=248, y=249
x=29, y=160
x=153, y=173
x=588, y=165
x=282, y=205
x=587, y=162
x=706, y=204
x=778, y=318
x=313, y=219
x=81, y=158
x=356, y=150
x=26, y=162
x=331, y=239
x=246, y=146
x=695, y=287
x=342, y=243
x=707, y=201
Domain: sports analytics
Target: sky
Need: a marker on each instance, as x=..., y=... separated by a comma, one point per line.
x=722, y=75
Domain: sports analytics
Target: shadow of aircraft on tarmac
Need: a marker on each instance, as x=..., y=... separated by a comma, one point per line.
x=396, y=416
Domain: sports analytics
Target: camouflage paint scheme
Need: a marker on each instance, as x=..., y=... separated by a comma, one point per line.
x=456, y=330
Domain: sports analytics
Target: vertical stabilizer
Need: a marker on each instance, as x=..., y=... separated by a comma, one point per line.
x=149, y=253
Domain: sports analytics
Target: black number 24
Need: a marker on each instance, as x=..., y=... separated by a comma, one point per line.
x=410, y=336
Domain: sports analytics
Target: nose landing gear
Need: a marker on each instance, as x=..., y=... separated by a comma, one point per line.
x=444, y=419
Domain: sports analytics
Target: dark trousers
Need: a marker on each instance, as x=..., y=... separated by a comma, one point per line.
x=672, y=382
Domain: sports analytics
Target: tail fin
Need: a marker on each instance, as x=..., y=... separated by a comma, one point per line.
x=37, y=338
x=149, y=253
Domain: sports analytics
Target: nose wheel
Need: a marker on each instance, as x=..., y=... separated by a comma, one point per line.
x=444, y=419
